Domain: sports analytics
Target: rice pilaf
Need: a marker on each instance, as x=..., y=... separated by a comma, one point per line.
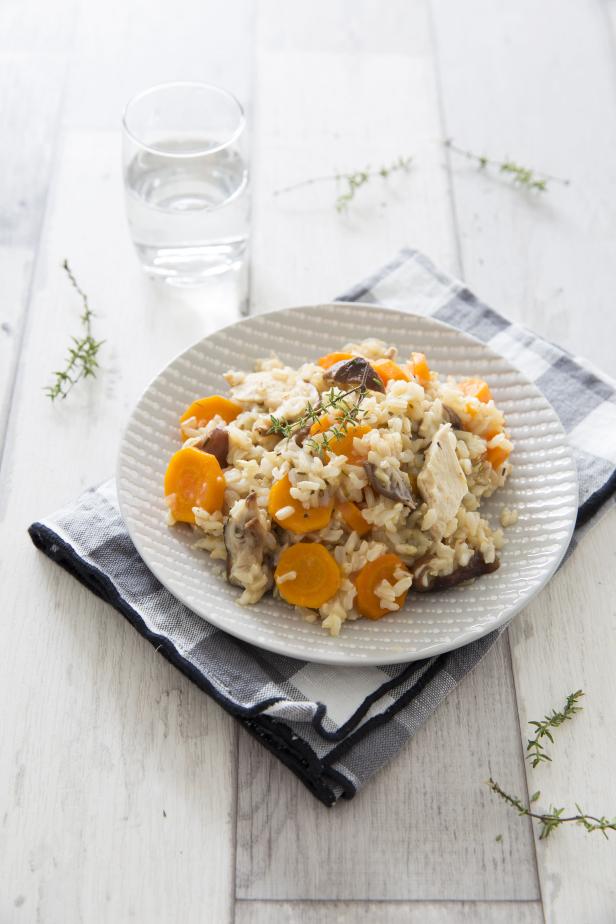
x=346, y=483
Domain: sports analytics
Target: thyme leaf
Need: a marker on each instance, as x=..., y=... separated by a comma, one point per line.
x=347, y=415
x=352, y=181
x=554, y=817
x=82, y=354
x=534, y=180
x=534, y=747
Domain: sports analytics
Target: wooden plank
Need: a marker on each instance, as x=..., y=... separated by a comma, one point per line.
x=549, y=264
x=559, y=644
x=547, y=261
x=123, y=48
x=342, y=86
x=337, y=90
x=34, y=51
x=102, y=735
x=135, y=761
x=424, y=828
x=247, y=912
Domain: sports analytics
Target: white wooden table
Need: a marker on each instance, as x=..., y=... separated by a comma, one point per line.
x=125, y=794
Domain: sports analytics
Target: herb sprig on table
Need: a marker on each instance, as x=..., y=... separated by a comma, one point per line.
x=352, y=181
x=534, y=747
x=554, y=816
x=82, y=357
x=533, y=180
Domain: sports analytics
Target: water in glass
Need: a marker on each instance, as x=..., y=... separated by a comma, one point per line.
x=188, y=214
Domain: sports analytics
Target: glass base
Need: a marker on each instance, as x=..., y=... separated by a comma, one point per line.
x=189, y=266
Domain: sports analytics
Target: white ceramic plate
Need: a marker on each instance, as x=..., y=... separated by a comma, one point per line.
x=543, y=488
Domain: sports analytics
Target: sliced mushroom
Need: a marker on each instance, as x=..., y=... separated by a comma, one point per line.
x=392, y=483
x=424, y=582
x=217, y=444
x=302, y=435
x=450, y=416
x=356, y=371
x=249, y=543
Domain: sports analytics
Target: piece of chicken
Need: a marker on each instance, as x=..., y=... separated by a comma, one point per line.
x=441, y=482
x=272, y=390
x=249, y=543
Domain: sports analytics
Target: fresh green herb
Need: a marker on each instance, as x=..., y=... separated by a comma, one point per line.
x=352, y=181
x=347, y=414
x=534, y=180
x=82, y=358
x=534, y=746
x=554, y=817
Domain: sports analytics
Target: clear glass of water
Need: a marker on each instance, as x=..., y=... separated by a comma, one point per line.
x=186, y=181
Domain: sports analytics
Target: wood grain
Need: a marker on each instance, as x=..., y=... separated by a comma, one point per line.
x=34, y=55
x=388, y=912
x=549, y=263
x=103, y=734
x=405, y=835
x=337, y=92
x=117, y=775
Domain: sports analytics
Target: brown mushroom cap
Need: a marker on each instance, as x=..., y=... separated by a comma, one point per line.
x=397, y=487
x=356, y=371
x=424, y=583
x=217, y=444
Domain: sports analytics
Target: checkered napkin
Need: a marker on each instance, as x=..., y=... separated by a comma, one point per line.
x=336, y=727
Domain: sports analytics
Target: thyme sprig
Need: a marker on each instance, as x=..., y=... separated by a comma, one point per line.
x=554, y=817
x=534, y=180
x=347, y=414
x=534, y=746
x=353, y=181
x=82, y=357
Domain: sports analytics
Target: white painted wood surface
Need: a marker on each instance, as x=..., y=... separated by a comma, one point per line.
x=124, y=793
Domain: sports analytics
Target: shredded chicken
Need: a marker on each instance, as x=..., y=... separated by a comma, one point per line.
x=441, y=482
x=249, y=543
x=274, y=394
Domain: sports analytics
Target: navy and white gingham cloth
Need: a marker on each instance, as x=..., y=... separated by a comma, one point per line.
x=336, y=727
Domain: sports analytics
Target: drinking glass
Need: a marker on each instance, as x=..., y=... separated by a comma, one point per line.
x=186, y=181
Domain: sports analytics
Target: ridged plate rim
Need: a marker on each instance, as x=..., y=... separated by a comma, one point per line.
x=308, y=641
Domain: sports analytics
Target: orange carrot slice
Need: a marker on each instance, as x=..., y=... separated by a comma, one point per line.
x=205, y=408
x=476, y=388
x=389, y=371
x=193, y=479
x=317, y=576
x=421, y=369
x=369, y=578
x=343, y=445
x=497, y=455
x=321, y=425
x=330, y=359
x=302, y=520
x=353, y=517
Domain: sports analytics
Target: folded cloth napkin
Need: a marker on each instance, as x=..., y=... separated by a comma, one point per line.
x=336, y=727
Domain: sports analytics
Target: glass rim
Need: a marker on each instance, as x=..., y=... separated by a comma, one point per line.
x=184, y=84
